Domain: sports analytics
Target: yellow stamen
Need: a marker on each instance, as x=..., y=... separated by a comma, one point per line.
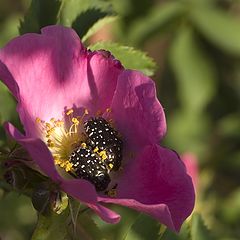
x=75, y=121
x=68, y=166
x=103, y=155
x=95, y=149
x=70, y=111
x=59, y=123
x=48, y=125
x=57, y=161
x=83, y=145
x=110, y=166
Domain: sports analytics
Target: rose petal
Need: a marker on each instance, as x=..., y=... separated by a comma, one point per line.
x=53, y=72
x=37, y=150
x=138, y=115
x=191, y=162
x=80, y=189
x=106, y=214
x=103, y=72
x=157, y=183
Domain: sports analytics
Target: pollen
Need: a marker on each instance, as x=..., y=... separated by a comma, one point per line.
x=75, y=121
x=68, y=166
x=103, y=155
x=83, y=145
x=62, y=137
x=110, y=166
x=96, y=150
x=69, y=112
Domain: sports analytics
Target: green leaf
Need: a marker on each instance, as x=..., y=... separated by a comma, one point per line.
x=201, y=2
x=9, y=30
x=98, y=25
x=144, y=228
x=7, y=103
x=157, y=19
x=83, y=14
x=7, y=110
x=188, y=132
x=83, y=226
x=15, y=212
x=87, y=228
x=118, y=231
x=128, y=56
x=194, y=71
x=86, y=20
x=219, y=27
x=53, y=227
x=198, y=229
x=41, y=13
x=184, y=233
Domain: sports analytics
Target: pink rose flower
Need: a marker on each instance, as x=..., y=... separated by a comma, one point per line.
x=191, y=163
x=62, y=90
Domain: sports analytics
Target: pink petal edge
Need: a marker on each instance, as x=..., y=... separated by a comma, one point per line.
x=137, y=113
x=156, y=183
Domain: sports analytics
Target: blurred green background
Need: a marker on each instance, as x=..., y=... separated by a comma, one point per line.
x=196, y=47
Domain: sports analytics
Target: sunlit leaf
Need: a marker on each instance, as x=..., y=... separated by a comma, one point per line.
x=128, y=56
x=232, y=214
x=86, y=20
x=184, y=233
x=219, y=27
x=98, y=25
x=41, y=13
x=83, y=14
x=9, y=30
x=144, y=228
x=52, y=227
x=199, y=230
x=118, y=231
x=83, y=225
x=87, y=228
x=194, y=72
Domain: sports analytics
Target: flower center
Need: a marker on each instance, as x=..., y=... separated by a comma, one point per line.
x=89, y=149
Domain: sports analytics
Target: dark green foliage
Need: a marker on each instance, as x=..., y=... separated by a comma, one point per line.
x=85, y=20
x=41, y=13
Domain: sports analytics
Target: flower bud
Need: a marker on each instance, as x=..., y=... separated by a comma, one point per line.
x=16, y=178
x=41, y=199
